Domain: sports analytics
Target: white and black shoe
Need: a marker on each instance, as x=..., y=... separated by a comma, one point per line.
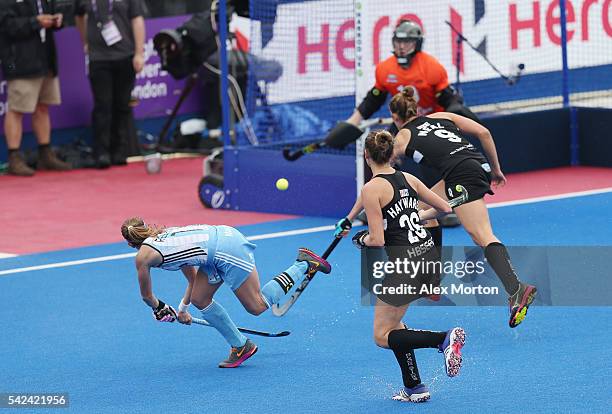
x=416, y=394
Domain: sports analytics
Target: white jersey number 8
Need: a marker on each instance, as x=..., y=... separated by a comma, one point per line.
x=442, y=133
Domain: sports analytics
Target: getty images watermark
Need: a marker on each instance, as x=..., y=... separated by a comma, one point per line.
x=400, y=275
x=410, y=269
x=461, y=276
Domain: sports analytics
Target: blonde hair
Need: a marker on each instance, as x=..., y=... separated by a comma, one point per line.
x=404, y=104
x=380, y=146
x=135, y=230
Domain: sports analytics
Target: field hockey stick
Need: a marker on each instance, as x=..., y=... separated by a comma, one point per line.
x=203, y=322
x=292, y=156
x=344, y=132
x=280, y=310
x=457, y=201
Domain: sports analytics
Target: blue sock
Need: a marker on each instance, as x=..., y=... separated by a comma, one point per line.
x=218, y=318
x=274, y=290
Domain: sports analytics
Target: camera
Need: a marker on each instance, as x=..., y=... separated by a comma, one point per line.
x=183, y=50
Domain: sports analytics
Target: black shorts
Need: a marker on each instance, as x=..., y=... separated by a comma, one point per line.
x=472, y=175
x=428, y=175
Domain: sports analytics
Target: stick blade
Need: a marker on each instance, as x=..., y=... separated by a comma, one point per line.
x=463, y=191
x=278, y=310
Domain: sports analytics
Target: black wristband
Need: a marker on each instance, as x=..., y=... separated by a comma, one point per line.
x=160, y=306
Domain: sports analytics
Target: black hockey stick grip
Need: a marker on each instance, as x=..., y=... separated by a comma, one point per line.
x=331, y=247
x=292, y=156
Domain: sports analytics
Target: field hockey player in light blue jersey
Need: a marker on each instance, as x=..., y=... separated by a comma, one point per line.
x=209, y=256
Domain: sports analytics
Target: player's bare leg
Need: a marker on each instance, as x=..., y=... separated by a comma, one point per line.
x=474, y=217
x=433, y=225
x=249, y=294
x=386, y=319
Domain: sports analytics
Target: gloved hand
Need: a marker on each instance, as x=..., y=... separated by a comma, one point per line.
x=359, y=239
x=164, y=313
x=343, y=227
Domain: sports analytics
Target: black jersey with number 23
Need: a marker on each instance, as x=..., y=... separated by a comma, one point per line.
x=400, y=215
x=439, y=143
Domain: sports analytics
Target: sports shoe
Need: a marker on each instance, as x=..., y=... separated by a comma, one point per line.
x=417, y=394
x=238, y=355
x=315, y=262
x=451, y=347
x=519, y=303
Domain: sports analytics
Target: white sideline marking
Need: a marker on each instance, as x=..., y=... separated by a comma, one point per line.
x=549, y=198
x=128, y=255
x=5, y=255
x=287, y=233
x=292, y=232
x=66, y=264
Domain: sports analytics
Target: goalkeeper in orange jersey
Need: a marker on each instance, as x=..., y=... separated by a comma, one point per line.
x=411, y=67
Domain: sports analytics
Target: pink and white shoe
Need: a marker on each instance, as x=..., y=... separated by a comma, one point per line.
x=451, y=347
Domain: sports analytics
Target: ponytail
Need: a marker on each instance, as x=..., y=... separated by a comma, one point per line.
x=380, y=146
x=404, y=104
x=135, y=230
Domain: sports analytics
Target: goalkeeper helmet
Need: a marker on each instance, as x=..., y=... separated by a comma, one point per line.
x=406, y=32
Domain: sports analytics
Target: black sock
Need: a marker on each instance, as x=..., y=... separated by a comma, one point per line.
x=407, y=362
x=436, y=235
x=13, y=151
x=42, y=146
x=416, y=339
x=498, y=258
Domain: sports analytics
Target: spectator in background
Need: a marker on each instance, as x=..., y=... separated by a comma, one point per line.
x=113, y=34
x=29, y=64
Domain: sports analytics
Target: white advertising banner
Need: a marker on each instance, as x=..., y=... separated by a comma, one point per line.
x=315, y=43
x=508, y=33
x=329, y=48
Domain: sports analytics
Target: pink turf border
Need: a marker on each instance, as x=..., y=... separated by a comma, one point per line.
x=54, y=211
